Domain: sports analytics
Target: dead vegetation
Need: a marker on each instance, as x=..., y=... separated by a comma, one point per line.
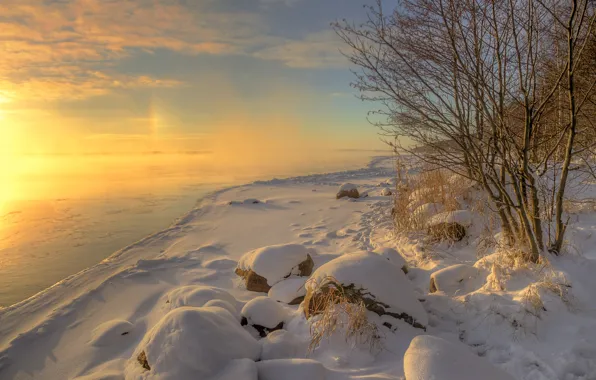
x=337, y=308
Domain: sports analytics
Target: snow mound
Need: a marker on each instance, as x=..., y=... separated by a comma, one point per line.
x=110, y=332
x=291, y=369
x=107, y=375
x=451, y=279
x=276, y=262
x=224, y=305
x=197, y=296
x=430, y=357
x=387, y=284
x=238, y=369
x=282, y=344
x=290, y=290
x=463, y=217
x=386, y=192
x=394, y=257
x=427, y=210
x=264, y=311
x=191, y=343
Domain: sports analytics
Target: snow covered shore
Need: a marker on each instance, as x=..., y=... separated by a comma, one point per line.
x=150, y=310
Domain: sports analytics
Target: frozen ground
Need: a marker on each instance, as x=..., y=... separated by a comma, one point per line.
x=174, y=299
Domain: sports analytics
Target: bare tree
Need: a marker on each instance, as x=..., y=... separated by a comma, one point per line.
x=468, y=85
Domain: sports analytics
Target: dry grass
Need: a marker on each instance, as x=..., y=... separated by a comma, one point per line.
x=431, y=186
x=337, y=308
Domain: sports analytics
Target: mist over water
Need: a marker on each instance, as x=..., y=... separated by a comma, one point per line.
x=60, y=214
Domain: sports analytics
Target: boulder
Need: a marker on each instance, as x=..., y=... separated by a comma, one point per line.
x=451, y=279
x=430, y=357
x=386, y=192
x=291, y=369
x=191, y=342
x=451, y=231
x=264, y=267
x=348, y=190
x=264, y=314
x=383, y=288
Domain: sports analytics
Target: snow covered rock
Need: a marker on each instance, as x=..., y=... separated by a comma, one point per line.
x=291, y=369
x=239, y=369
x=451, y=279
x=462, y=217
x=290, y=291
x=282, y=344
x=264, y=314
x=386, y=192
x=191, y=343
x=385, y=289
x=348, y=190
x=428, y=210
x=110, y=332
x=224, y=305
x=429, y=357
x=393, y=257
x=198, y=295
x=265, y=267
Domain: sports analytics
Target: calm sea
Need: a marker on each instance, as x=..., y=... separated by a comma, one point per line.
x=62, y=214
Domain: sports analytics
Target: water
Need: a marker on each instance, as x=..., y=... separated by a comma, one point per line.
x=62, y=214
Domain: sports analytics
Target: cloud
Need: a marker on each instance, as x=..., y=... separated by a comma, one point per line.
x=69, y=49
x=316, y=50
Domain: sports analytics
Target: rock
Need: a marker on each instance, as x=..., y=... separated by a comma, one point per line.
x=430, y=357
x=451, y=279
x=348, y=190
x=253, y=281
x=386, y=292
x=264, y=267
x=177, y=347
x=264, y=314
x=291, y=369
x=290, y=290
x=446, y=231
x=386, y=192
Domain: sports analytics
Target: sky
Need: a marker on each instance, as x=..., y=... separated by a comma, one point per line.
x=102, y=76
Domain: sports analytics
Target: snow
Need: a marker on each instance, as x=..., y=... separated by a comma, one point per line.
x=427, y=210
x=282, y=344
x=264, y=311
x=110, y=332
x=291, y=369
x=391, y=255
x=453, y=278
x=347, y=187
x=288, y=290
x=274, y=262
x=431, y=357
x=197, y=295
x=463, y=217
x=387, y=283
x=239, y=369
x=190, y=343
x=175, y=295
